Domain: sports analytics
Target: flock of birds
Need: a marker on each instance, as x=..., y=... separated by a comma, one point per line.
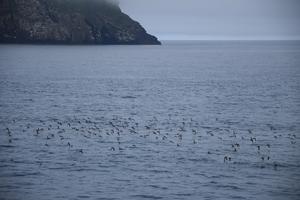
x=175, y=132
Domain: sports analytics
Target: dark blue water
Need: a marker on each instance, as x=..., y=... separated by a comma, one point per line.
x=185, y=120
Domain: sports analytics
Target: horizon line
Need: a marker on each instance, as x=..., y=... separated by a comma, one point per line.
x=283, y=39
x=224, y=38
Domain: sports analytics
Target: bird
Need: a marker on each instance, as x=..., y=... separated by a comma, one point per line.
x=8, y=132
x=225, y=158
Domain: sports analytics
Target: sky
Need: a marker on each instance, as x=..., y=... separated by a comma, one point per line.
x=217, y=19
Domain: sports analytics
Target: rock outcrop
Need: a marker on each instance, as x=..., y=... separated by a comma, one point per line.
x=69, y=22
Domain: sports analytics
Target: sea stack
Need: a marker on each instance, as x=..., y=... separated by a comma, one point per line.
x=69, y=22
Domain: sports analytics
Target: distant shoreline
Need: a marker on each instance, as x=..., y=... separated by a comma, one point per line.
x=162, y=42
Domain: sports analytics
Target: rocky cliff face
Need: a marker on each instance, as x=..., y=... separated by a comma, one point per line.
x=69, y=22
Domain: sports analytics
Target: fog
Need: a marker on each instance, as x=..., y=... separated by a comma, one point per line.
x=217, y=19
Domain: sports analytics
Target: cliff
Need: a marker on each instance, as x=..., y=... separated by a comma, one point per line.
x=69, y=22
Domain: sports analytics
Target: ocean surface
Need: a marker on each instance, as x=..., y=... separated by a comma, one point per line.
x=185, y=120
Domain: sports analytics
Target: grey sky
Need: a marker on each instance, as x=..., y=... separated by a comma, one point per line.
x=217, y=19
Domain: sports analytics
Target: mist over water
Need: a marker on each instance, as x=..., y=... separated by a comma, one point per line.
x=217, y=20
x=186, y=120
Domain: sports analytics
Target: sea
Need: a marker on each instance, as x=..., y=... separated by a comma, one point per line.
x=185, y=120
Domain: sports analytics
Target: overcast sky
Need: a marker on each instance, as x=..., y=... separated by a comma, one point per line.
x=217, y=19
